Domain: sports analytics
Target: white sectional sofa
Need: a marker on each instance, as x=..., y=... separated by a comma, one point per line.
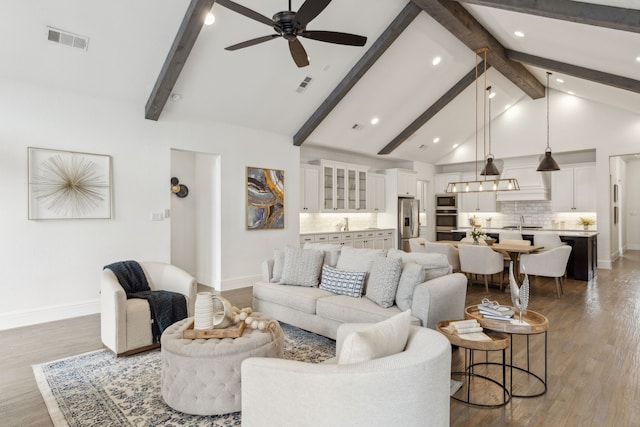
x=425, y=285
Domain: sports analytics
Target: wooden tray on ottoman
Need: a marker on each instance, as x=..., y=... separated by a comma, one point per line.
x=234, y=331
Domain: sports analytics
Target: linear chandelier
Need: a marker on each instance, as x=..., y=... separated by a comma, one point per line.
x=486, y=184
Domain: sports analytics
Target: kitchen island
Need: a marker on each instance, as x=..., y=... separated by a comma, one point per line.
x=582, y=263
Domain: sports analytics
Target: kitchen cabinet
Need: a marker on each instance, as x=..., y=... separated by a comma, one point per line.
x=407, y=183
x=371, y=239
x=309, y=189
x=441, y=181
x=573, y=189
x=357, y=190
x=477, y=202
x=376, y=193
x=344, y=187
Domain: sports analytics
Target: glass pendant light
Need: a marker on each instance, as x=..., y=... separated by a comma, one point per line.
x=548, y=164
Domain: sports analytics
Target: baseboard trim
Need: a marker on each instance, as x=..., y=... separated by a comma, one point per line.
x=17, y=319
x=240, y=282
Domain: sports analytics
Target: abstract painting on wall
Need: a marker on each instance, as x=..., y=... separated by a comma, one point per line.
x=68, y=185
x=265, y=199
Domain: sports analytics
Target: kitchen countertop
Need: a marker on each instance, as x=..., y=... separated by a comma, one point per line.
x=350, y=231
x=525, y=231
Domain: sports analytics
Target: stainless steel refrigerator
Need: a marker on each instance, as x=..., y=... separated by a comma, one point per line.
x=408, y=222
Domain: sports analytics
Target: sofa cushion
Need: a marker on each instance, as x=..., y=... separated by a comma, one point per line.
x=383, y=281
x=358, y=259
x=344, y=309
x=412, y=275
x=278, y=265
x=379, y=340
x=434, y=265
x=300, y=298
x=301, y=266
x=340, y=282
x=331, y=252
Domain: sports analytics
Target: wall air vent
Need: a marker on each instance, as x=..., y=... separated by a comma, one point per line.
x=66, y=38
x=303, y=85
x=356, y=126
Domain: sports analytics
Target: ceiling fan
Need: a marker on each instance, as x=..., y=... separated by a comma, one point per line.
x=290, y=25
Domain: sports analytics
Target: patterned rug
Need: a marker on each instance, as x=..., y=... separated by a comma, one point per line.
x=98, y=389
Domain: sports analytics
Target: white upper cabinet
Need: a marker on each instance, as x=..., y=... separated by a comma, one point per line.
x=476, y=202
x=407, y=183
x=375, y=192
x=344, y=187
x=309, y=189
x=573, y=188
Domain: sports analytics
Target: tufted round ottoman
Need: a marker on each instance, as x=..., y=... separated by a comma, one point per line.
x=202, y=376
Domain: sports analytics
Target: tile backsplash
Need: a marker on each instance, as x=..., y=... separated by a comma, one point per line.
x=534, y=213
x=327, y=222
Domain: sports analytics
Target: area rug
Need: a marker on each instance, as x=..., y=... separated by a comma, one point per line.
x=98, y=389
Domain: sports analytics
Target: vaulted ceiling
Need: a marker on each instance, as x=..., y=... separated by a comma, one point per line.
x=593, y=47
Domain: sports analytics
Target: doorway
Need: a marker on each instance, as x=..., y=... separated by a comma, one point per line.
x=625, y=205
x=195, y=219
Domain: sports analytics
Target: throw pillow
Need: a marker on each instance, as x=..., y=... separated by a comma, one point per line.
x=348, y=283
x=358, y=259
x=301, y=267
x=331, y=251
x=378, y=340
x=412, y=275
x=383, y=281
x=278, y=264
x=434, y=265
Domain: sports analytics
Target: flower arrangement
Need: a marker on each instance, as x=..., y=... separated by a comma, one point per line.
x=585, y=221
x=476, y=233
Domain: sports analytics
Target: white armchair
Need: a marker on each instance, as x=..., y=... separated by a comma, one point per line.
x=405, y=389
x=417, y=244
x=547, y=240
x=125, y=324
x=550, y=263
x=445, y=248
x=481, y=259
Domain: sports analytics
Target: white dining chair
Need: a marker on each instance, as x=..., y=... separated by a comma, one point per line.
x=550, y=263
x=481, y=259
x=509, y=235
x=447, y=249
x=417, y=244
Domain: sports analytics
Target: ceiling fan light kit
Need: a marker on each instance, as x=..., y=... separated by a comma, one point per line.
x=290, y=25
x=548, y=164
x=490, y=169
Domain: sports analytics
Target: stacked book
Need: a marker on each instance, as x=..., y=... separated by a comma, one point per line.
x=500, y=312
x=467, y=329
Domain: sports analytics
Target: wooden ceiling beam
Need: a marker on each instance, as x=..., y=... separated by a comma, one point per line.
x=399, y=24
x=442, y=102
x=616, y=18
x=176, y=58
x=455, y=18
x=573, y=70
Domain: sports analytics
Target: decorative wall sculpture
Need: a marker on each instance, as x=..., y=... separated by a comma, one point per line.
x=68, y=185
x=265, y=199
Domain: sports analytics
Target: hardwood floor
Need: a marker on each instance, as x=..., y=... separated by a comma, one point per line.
x=593, y=350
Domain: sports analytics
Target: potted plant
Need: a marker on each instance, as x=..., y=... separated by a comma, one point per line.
x=586, y=222
x=476, y=233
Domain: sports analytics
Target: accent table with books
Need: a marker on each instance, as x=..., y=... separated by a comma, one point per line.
x=536, y=323
x=489, y=341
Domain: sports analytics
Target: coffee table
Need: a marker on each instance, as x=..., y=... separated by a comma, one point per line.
x=499, y=342
x=202, y=376
x=536, y=323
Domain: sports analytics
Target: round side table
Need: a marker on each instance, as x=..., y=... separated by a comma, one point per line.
x=536, y=324
x=499, y=342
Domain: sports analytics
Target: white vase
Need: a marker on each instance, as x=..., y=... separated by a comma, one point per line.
x=203, y=311
x=222, y=312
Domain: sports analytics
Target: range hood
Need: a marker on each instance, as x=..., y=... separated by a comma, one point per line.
x=534, y=185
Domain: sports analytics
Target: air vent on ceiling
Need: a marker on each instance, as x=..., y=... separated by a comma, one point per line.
x=66, y=38
x=303, y=85
x=357, y=126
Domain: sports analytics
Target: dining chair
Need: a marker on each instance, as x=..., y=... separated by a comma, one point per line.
x=509, y=235
x=452, y=253
x=550, y=263
x=417, y=244
x=547, y=240
x=481, y=259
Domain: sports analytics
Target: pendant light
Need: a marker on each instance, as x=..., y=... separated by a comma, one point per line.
x=490, y=168
x=548, y=164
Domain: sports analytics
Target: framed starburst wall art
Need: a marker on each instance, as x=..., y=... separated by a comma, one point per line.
x=265, y=199
x=69, y=185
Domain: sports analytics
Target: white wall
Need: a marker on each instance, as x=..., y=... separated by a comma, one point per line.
x=50, y=269
x=576, y=124
x=631, y=206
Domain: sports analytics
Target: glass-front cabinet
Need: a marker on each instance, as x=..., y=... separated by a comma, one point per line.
x=344, y=188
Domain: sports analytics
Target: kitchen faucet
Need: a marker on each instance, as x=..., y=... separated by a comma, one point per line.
x=521, y=222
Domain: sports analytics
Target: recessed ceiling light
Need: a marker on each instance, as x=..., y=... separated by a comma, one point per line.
x=210, y=19
x=570, y=93
x=492, y=95
x=436, y=140
x=455, y=145
x=638, y=58
x=375, y=121
x=506, y=107
x=436, y=60
x=518, y=33
x=560, y=80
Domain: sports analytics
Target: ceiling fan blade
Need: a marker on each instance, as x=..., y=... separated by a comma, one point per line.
x=246, y=12
x=252, y=42
x=298, y=53
x=309, y=10
x=335, y=37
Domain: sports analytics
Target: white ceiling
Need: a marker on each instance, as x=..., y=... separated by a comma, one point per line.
x=256, y=86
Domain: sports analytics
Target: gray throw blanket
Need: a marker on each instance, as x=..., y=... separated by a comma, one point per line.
x=166, y=307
